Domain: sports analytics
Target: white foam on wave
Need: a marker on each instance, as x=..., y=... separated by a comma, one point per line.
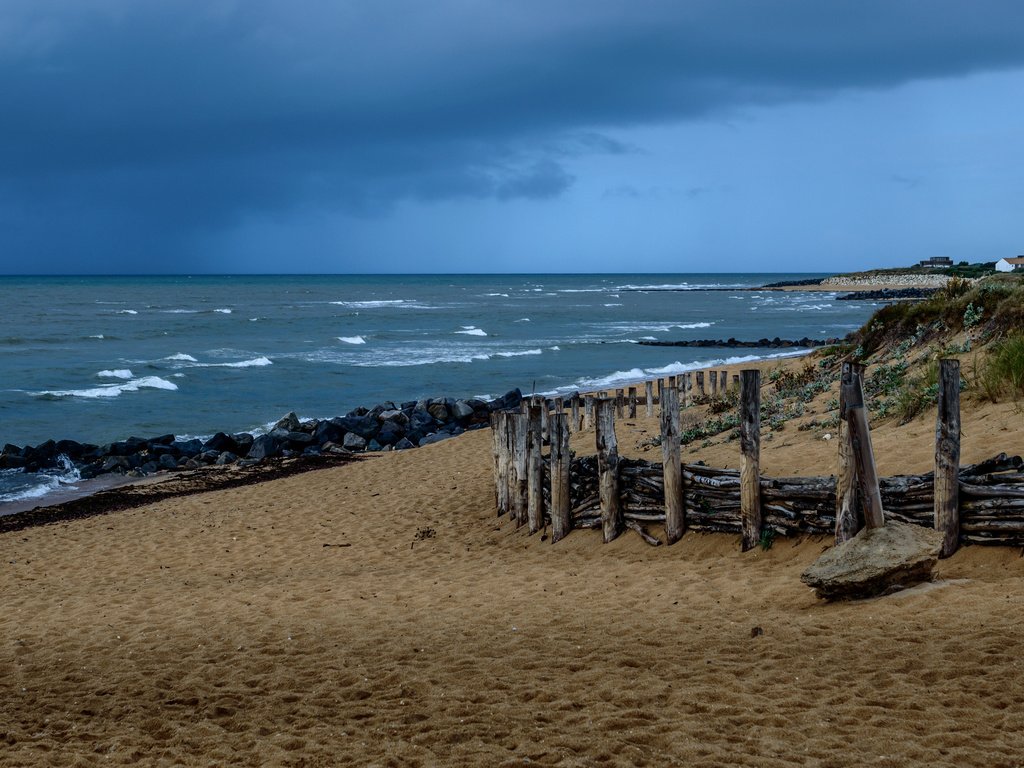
x=352, y=339
x=16, y=485
x=522, y=320
x=97, y=336
x=503, y=295
x=181, y=356
x=617, y=378
x=375, y=304
x=613, y=305
x=120, y=373
x=110, y=390
x=520, y=353
x=127, y=312
x=224, y=311
x=256, y=362
x=179, y=311
x=649, y=327
x=469, y=330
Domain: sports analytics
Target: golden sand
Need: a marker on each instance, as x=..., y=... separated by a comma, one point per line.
x=379, y=613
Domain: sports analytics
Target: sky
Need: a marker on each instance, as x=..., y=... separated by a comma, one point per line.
x=323, y=136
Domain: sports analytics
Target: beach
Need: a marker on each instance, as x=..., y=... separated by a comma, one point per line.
x=380, y=613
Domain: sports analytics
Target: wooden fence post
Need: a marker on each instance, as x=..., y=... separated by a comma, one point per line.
x=608, y=470
x=686, y=393
x=713, y=382
x=574, y=411
x=520, y=462
x=559, y=406
x=499, y=437
x=620, y=403
x=735, y=381
x=723, y=382
x=632, y=403
x=947, y=457
x=847, y=522
x=588, y=412
x=863, y=455
x=561, y=511
x=672, y=468
x=649, y=398
x=535, y=470
x=700, y=382
x=750, y=460
x=661, y=395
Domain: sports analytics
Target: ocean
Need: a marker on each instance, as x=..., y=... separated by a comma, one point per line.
x=97, y=359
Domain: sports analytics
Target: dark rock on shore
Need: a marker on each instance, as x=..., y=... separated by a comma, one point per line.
x=775, y=343
x=791, y=283
x=889, y=294
x=386, y=426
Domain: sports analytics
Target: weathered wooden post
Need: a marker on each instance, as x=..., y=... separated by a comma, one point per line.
x=947, y=457
x=661, y=394
x=520, y=462
x=863, y=455
x=700, y=382
x=559, y=405
x=735, y=381
x=541, y=402
x=713, y=382
x=675, y=511
x=686, y=391
x=723, y=382
x=649, y=398
x=574, y=405
x=535, y=471
x=847, y=523
x=632, y=403
x=561, y=512
x=750, y=459
x=620, y=403
x=588, y=412
x=608, y=470
x=499, y=445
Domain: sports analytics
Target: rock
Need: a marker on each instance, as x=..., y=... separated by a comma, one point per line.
x=219, y=443
x=115, y=464
x=249, y=462
x=264, y=447
x=439, y=411
x=393, y=415
x=226, y=458
x=167, y=461
x=875, y=561
x=160, y=440
x=188, y=448
x=462, y=410
x=364, y=426
x=354, y=442
x=390, y=433
x=328, y=432
x=289, y=423
x=244, y=441
x=373, y=445
x=297, y=441
x=437, y=437
x=404, y=444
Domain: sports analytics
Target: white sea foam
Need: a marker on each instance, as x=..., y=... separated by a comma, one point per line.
x=648, y=327
x=224, y=311
x=257, y=362
x=127, y=312
x=97, y=336
x=613, y=305
x=520, y=353
x=109, y=390
x=503, y=295
x=649, y=338
x=179, y=311
x=120, y=373
x=181, y=356
x=352, y=339
x=469, y=330
x=617, y=378
x=522, y=320
x=18, y=485
x=371, y=304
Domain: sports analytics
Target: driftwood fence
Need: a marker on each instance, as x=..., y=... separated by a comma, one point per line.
x=982, y=503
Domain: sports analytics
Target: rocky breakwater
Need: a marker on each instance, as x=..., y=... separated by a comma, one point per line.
x=385, y=427
x=887, y=280
x=775, y=343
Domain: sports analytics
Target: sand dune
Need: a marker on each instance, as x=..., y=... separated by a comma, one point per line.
x=380, y=614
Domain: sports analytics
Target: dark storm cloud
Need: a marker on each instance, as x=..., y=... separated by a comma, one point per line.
x=156, y=123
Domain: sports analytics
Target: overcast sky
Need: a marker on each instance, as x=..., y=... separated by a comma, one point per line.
x=216, y=136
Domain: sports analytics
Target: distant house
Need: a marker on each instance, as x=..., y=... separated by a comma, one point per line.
x=937, y=262
x=1014, y=264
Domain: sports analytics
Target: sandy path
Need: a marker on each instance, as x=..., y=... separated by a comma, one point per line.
x=219, y=629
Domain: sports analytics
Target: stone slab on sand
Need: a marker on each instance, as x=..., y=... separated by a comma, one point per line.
x=875, y=561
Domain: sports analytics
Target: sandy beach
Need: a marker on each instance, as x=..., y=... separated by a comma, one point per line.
x=379, y=613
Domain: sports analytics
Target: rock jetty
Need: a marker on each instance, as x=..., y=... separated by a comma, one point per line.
x=775, y=343
x=385, y=427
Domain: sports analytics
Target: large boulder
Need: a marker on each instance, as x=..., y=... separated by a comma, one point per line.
x=462, y=411
x=220, y=442
x=364, y=426
x=354, y=442
x=328, y=432
x=289, y=423
x=875, y=561
x=264, y=447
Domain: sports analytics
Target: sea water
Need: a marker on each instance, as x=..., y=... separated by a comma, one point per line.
x=97, y=359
